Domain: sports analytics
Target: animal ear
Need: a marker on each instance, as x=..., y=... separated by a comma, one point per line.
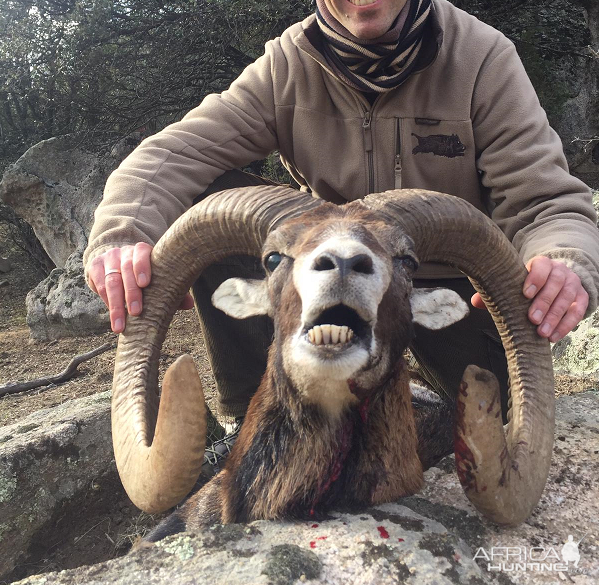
x=241, y=298
x=436, y=308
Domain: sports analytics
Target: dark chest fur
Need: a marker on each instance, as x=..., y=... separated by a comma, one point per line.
x=297, y=463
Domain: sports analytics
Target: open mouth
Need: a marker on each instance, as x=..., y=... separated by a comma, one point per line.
x=337, y=326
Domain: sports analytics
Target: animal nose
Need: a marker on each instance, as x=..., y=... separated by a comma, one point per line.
x=361, y=263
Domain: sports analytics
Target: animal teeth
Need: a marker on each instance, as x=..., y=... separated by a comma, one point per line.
x=344, y=334
x=330, y=334
x=318, y=336
x=335, y=333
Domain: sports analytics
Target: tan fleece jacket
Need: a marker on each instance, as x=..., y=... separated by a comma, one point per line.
x=468, y=123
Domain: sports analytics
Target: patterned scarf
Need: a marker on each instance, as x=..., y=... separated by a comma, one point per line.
x=380, y=64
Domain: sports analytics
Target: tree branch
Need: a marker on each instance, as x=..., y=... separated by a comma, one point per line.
x=66, y=374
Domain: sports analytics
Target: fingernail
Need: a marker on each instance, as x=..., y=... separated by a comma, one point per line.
x=554, y=337
x=537, y=316
x=142, y=279
x=530, y=291
x=118, y=325
x=545, y=330
x=134, y=309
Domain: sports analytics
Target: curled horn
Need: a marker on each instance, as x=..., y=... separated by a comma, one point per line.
x=159, y=450
x=503, y=472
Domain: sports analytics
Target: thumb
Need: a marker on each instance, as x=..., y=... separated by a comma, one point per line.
x=187, y=303
x=477, y=301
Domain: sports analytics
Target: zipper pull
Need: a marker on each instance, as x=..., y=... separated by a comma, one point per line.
x=367, y=131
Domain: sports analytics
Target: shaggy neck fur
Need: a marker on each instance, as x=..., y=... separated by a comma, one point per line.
x=295, y=461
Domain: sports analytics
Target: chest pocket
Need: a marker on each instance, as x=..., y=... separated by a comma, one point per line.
x=438, y=155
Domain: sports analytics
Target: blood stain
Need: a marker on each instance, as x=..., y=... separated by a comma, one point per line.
x=383, y=532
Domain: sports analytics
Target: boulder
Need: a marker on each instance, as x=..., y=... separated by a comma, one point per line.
x=577, y=353
x=62, y=305
x=386, y=545
x=56, y=186
x=47, y=461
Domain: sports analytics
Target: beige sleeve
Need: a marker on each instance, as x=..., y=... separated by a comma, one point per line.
x=159, y=180
x=540, y=207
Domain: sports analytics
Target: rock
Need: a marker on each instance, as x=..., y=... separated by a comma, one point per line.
x=47, y=460
x=386, y=545
x=4, y=265
x=429, y=538
x=62, y=305
x=56, y=186
x=577, y=353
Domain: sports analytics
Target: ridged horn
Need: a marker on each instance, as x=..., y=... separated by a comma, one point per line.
x=159, y=450
x=503, y=472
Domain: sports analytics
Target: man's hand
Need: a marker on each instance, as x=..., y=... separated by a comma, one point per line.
x=118, y=276
x=559, y=301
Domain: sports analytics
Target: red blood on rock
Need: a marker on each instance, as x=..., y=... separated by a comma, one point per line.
x=313, y=544
x=400, y=540
x=383, y=532
x=321, y=537
x=315, y=526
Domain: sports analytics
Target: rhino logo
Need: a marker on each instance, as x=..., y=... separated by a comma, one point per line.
x=446, y=145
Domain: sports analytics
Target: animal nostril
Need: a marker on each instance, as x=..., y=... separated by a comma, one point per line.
x=324, y=263
x=361, y=263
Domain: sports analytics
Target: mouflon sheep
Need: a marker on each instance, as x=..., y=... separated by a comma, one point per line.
x=332, y=421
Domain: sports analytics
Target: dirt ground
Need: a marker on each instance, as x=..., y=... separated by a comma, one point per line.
x=102, y=536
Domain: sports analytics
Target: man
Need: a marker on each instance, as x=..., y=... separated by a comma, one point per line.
x=367, y=95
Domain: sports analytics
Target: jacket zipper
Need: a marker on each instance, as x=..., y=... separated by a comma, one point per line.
x=398, y=158
x=369, y=149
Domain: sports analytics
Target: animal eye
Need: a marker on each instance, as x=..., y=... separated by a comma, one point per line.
x=272, y=261
x=409, y=263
